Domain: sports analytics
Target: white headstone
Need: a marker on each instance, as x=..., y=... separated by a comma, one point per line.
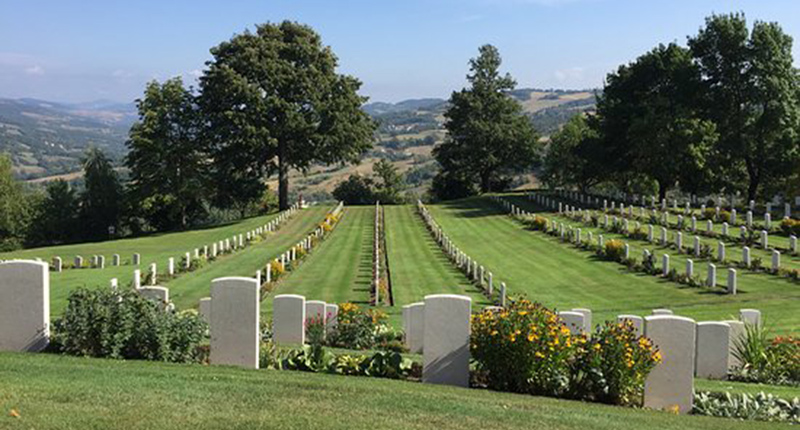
x=446, y=340
x=670, y=384
x=731, y=287
x=25, y=305
x=234, y=328
x=288, y=319
x=636, y=321
x=414, y=326
x=712, y=350
x=574, y=321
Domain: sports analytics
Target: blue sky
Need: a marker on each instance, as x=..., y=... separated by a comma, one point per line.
x=88, y=50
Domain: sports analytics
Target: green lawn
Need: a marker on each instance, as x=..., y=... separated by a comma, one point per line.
x=783, y=392
x=187, y=289
x=339, y=269
x=58, y=392
x=561, y=276
x=418, y=266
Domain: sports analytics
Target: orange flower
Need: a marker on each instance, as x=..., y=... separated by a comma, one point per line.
x=14, y=413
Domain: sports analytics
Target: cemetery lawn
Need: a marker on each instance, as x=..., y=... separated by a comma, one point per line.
x=417, y=265
x=559, y=275
x=56, y=392
x=155, y=248
x=782, y=391
x=187, y=289
x=339, y=269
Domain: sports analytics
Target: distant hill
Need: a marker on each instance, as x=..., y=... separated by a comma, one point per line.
x=46, y=138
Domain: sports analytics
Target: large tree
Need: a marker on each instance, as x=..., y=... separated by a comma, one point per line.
x=166, y=161
x=488, y=135
x=567, y=160
x=750, y=88
x=650, y=122
x=14, y=208
x=273, y=101
x=56, y=215
x=101, y=200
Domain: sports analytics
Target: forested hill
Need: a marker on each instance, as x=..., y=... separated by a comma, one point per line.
x=47, y=139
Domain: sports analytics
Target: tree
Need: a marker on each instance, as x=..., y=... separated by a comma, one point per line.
x=565, y=161
x=168, y=166
x=488, y=136
x=14, y=208
x=356, y=190
x=388, y=182
x=56, y=215
x=101, y=200
x=750, y=90
x=650, y=122
x=273, y=101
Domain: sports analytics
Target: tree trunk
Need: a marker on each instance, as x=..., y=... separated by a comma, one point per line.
x=283, y=178
x=753, y=182
x=662, y=191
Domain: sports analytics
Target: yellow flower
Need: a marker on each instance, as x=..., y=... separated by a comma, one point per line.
x=494, y=332
x=596, y=347
x=522, y=313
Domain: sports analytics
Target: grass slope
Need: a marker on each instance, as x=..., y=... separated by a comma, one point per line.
x=156, y=248
x=339, y=270
x=56, y=392
x=187, y=289
x=561, y=276
x=772, y=294
x=418, y=267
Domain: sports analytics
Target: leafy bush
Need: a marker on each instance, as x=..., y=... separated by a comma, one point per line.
x=537, y=223
x=790, y=226
x=614, y=250
x=356, y=329
x=101, y=323
x=524, y=348
x=612, y=366
x=760, y=407
x=775, y=361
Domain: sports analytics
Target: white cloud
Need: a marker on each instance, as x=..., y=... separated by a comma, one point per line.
x=122, y=74
x=35, y=70
x=571, y=74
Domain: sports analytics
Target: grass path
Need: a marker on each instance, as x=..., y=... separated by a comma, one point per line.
x=418, y=266
x=561, y=276
x=156, y=248
x=58, y=392
x=339, y=270
x=187, y=289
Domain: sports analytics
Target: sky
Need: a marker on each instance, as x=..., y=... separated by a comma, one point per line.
x=81, y=51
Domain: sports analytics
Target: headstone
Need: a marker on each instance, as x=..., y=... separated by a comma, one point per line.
x=78, y=263
x=171, y=266
x=793, y=243
x=764, y=239
x=25, y=305
x=288, y=319
x=662, y=312
x=665, y=264
x=574, y=321
x=137, y=259
x=204, y=309
x=721, y=251
x=776, y=260
x=115, y=260
x=711, y=278
x=234, y=329
x=746, y=256
x=160, y=295
x=587, y=319
x=446, y=340
x=670, y=385
x=636, y=321
x=724, y=228
x=315, y=309
x=153, y=274
x=114, y=285
x=689, y=268
x=712, y=350
x=731, y=287
x=737, y=335
x=696, y=246
x=414, y=326
x=331, y=315
x=57, y=264
x=503, y=294
x=750, y=317
x=137, y=279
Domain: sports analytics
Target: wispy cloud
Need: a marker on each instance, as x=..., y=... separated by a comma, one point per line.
x=36, y=70
x=571, y=74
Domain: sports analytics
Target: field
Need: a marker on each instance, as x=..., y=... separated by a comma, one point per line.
x=57, y=392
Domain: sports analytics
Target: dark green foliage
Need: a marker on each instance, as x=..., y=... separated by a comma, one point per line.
x=14, y=209
x=101, y=200
x=356, y=190
x=388, y=183
x=101, y=323
x=272, y=101
x=488, y=136
x=56, y=216
x=168, y=166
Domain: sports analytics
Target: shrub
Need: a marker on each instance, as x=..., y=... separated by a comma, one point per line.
x=538, y=223
x=356, y=329
x=790, y=226
x=524, y=348
x=760, y=407
x=101, y=323
x=612, y=366
x=614, y=250
x=768, y=361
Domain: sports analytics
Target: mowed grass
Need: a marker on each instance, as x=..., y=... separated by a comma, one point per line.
x=156, y=248
x=561, y=276
x=339, y=269
x=59, y=392
x=187, y=289
x=417, y=265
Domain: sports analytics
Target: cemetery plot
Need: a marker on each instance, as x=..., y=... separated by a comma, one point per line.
x=157, y=248
x=340, y=269
x=545, y=270
x=190, y=287
x=418, y=266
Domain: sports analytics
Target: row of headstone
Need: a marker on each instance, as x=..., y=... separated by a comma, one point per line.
x=291, y=315
x=376, y=255
x=469, y=266
x=97, y=262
